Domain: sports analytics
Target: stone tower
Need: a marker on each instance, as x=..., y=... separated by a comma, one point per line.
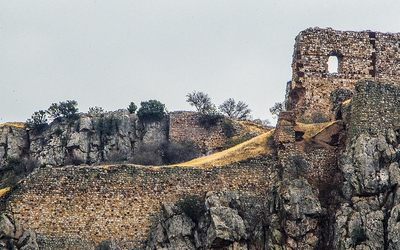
x=364, y=54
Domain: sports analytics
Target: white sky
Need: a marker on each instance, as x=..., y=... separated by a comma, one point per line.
x=109, y=53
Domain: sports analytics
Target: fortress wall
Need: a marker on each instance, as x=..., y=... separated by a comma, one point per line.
x=374, y=106
x=364, y=54
x=184, y=126
x=97, y=203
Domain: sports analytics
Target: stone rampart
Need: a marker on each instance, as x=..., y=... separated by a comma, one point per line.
x=185, y=126
x=97, y=203
x=365, y=54
x=374, y=106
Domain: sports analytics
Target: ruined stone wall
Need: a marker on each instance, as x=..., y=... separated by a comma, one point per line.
x=376, y=106
x=97, y=203
x=364, y=54
x=185, y=126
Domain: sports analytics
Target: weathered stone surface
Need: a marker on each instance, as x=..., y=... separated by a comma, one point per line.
x=13, y=236
x=7, y=226
x=365, y=54
x=109, y=244
x=28, y=241
x=226, y=227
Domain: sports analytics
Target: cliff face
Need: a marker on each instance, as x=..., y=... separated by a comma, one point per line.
x=88, y=140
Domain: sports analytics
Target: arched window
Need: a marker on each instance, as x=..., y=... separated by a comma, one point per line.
x=333, y=64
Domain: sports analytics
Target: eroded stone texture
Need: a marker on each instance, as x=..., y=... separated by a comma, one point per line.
x=370, y=170
x=13, y=236
x=365, y=54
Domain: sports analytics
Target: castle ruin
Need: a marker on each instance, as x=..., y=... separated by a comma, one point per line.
x=364, y=54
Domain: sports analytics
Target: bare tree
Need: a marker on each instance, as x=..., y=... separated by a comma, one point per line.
x=277, y=108
x=232, y=109
x=201, y=101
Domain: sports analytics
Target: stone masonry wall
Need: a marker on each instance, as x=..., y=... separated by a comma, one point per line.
x=374, y=107
x=364, y=54
x=97, y=203
x=184, y=126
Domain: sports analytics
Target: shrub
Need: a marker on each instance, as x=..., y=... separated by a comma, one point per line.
x=193, y=206
x=231, y=142
x=15, y=169
x=299, y=165
x=58, y=131
x=228, y=128
x=358, y=235
x=106, y=125
x=16, y=165
x=176, y=152
x=73, y=160
x=38, y=121
x=151, y=110
x=67, y=109
x=148, y=154
x=117, y=157
x=266, y=122
x=9, y=179
x=305, y=120
x=95, y=111
x=165, y=153
x=132, y=108
x=277, y=108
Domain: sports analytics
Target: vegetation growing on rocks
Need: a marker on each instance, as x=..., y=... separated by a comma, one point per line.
x=151, y=110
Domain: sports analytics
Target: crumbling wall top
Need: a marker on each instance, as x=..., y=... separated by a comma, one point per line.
x=359, y=55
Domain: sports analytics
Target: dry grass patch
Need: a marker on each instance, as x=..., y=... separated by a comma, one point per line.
x=313, y=129
x=4, y=191
x=252, y=148
x=13, y=124
x=254, y=127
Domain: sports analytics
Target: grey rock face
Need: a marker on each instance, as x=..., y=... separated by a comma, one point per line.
x=90, y=140
x=219, y=226
x=173, y=231
x=13, y=236
x=294, y=220
x=226, y=225
x=109, y=244
x=27, y=241
x=371, y=174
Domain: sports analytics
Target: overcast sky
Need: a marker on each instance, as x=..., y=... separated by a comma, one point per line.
x=109, y=53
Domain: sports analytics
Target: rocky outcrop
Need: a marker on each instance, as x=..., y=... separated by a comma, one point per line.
x=91, y=140
x=113, y=136
x=13, y=236
x=220, y=221
x=289, y=218
x=367, y=219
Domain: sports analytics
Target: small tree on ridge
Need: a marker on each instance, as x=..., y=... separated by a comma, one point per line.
x=232, y=109
x=201, y=101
